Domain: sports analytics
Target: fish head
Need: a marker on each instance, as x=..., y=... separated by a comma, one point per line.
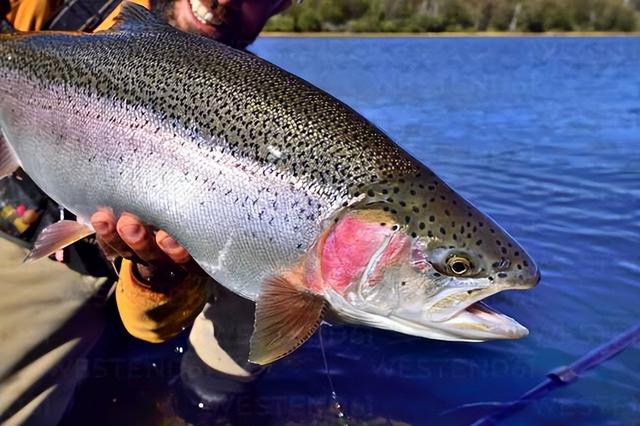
x=420, y=262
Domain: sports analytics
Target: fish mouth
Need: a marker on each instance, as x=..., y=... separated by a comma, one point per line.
x=467, y=319
x=475, y=322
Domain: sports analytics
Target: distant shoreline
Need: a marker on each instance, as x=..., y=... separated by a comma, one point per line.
x=459, y=34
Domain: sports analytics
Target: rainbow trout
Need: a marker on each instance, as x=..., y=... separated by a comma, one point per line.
x=279, y=191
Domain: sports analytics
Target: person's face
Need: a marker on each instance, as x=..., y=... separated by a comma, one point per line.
x=233, y=22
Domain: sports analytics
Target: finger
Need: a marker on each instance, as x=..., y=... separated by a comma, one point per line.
x=104, y=222
x=172, y=248
x=141, y=240
x=178, y=254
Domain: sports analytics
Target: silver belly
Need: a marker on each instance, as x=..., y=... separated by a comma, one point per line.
x=240, y=221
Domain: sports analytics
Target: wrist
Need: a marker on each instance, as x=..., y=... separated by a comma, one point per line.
x=155, y=278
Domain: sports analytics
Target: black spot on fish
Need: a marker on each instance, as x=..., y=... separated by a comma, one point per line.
x=421, y=225
x=502, y=275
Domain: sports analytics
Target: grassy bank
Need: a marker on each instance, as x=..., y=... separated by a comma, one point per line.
x=487, y=34
x=452, y=16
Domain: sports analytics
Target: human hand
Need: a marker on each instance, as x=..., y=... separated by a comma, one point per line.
x=159, y=259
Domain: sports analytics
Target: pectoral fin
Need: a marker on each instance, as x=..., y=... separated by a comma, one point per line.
x=286, y=316
x=56, y=237
x=8, y=160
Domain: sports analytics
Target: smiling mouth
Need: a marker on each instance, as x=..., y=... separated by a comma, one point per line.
x=204, y=14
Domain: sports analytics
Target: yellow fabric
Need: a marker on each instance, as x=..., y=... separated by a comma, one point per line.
x=156, y=316
x=30, y=15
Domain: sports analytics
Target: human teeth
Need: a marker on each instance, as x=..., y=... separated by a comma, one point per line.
x=201, y=12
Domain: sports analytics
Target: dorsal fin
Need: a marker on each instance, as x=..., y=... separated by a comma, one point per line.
x=134, y=17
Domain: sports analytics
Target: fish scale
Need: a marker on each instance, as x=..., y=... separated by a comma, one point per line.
x=249, y=167
x=254, y=107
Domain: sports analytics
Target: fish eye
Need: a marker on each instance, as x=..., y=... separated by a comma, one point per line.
x=459, y=265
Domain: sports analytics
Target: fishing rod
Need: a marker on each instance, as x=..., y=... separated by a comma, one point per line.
x=559, y=377
x=90, y=23
x=95, y=20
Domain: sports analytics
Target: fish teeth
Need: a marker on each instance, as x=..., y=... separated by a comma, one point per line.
x=201, y=12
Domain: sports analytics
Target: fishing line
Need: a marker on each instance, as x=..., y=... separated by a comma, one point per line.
x=342, y=418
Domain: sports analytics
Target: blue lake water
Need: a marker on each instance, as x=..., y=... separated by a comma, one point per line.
x=541, y=133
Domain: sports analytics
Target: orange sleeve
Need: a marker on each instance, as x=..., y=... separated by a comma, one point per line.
x=30, y=15
x=156, y=316
x=111, y=19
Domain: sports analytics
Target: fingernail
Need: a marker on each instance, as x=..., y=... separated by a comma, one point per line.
x=133, y=233
x=169, y=244
x=101, y=227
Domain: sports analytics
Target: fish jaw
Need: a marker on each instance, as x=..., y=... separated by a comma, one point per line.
x=475, y=323
x=397, y=289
